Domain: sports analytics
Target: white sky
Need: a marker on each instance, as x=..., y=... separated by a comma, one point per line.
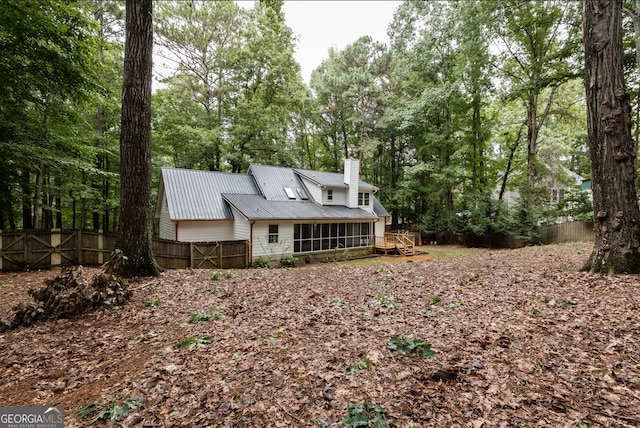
x=320, y=25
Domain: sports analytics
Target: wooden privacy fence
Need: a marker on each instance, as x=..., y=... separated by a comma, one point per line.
x=572, y=231
x=43, y=249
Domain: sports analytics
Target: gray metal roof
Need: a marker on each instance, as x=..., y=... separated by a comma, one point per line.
x=272, y=181
x=197, y=195
x=255, y=207
x=379, y=209
x=330, y=179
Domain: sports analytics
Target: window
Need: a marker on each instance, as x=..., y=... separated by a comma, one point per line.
x=329, y=195
x=289, y=192
x=303, y=194
x=363, y=199
x=273, y=234
x=329, y=236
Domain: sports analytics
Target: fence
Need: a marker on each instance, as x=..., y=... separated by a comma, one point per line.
x=43, y=249
x=573, y=231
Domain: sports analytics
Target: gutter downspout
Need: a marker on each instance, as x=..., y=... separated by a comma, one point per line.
x=251, y=241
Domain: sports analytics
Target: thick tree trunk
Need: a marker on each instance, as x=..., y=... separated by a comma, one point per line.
x=134, y=231
x=613, y=151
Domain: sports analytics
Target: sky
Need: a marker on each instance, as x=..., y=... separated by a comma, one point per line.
x=320, y=25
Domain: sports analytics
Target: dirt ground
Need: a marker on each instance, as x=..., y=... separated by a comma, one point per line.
x=521, y=339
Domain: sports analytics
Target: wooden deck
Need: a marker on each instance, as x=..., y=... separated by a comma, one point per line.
x=396, y=243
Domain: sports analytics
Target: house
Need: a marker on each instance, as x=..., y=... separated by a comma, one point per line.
x=282, y=212
x=557, y=179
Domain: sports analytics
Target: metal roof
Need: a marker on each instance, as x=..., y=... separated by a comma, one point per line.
x=379, y=209
x=255, y=207
x=197, y=195
x=273, y=180
x=331, y=179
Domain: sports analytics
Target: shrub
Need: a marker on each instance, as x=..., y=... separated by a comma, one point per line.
x=401, y=345
x=365, y=414
x=261, y=262
x=289, y=261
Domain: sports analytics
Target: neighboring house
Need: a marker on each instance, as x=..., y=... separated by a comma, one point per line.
x=282, y=212
x=559, y=181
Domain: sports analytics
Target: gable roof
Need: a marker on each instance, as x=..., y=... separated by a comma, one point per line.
x=258, y=195
x=255, y=207
x=197, y=195
x=330, y=179
x=272, y=181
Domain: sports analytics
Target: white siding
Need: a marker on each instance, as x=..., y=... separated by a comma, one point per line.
x=339, y=197
x=314, y=190
x=351, y=178
x=166, y=226
x=369, y=207
x=275, y=251
x=205, y=231
x=379, y=228
x=241, y=227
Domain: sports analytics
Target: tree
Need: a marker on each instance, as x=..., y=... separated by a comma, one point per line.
x=538, y=41
x=612, y=150
x=134, y=231
x=47, y=72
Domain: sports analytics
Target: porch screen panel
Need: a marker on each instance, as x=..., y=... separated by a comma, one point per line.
x=329, y=236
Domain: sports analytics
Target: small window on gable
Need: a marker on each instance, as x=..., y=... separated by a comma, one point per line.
x=289, y=192
x=273, y=234
x=329, y=195
x=363, y=199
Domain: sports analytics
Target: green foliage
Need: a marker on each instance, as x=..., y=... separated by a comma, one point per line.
x=216, y=276
x=195, y=318
x=229, y=275
x=361, y=365
x=575, y=206
x=337, y=302
x=153, y=305
x=365, y=414
x=261, y=262
x=114, y=410
x=193, y=342
x=524, y=218
x=402, y=345
x=382, y=301
x=289, y=261
x=434, y=300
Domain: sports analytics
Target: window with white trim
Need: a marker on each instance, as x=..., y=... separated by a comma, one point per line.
x=363, y=199
x=273, y=234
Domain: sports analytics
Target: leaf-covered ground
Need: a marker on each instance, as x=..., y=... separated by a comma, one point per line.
x=522, y=338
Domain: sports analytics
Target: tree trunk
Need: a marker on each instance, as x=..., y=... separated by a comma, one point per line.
x=613, y=151
x=134, y=231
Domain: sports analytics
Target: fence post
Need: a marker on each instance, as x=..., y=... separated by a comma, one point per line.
x=191, y=255
x=79, y=246
x=100, y=247
x=56, y=259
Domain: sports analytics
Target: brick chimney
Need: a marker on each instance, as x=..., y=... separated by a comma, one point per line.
x=352, y=179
